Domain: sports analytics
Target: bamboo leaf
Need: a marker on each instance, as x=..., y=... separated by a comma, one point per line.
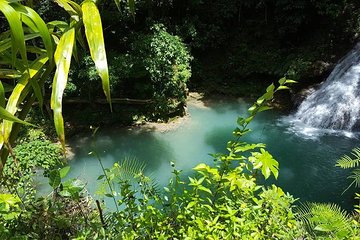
x=17, y=33
x=17, y=94
x=131, y=4
x=8, y=116
x=34, y=21
x=69, y=8
x=37, y=91
x=62, y=60
x=2, y=95
x=95, y=38
x=9, y=73
x=117, y=2
x=6, y=43
x=61, y=25
x=32, y=18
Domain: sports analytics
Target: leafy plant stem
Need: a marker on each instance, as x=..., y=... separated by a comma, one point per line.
x=107, y=178
x=103, y=169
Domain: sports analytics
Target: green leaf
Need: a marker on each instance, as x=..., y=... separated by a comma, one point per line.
x=201, y=167
x=191, y=204
x=283, y=88
x=270, y=88
x=61, y=25
x=9, y=73
x=109, y=195
x=202, y=188
x=19, y=92
x=131, y=4
x=62, y=60
x=54, y=179
x=40, y=26
x=17, y=33
x=65, y=193
x=64, y=171
x=4, y=114
x=288, y=81
x=266, y=162
x=264, y=108
x=100, y=177
x=282, y=80
x=117, y=2
x=2, y=95
x=95, y=38
x=73, y=12
x=6, y=44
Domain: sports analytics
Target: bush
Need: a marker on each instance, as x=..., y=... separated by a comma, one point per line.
x=160, y=64
x=27, y=159
x=156, y=67
x=84, y=80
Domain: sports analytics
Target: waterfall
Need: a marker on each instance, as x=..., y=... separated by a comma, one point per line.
x=336, y=104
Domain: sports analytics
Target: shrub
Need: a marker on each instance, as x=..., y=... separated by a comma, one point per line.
x=161, y=67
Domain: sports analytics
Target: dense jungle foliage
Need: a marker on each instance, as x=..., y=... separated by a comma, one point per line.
x=156, y=52
x=234, y=47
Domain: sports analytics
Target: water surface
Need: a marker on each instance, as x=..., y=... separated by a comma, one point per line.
x=307, y=168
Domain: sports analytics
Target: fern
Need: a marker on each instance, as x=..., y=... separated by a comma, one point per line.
x=322, y=219
x=356, y=176
x=347, y=161
x=128, y=168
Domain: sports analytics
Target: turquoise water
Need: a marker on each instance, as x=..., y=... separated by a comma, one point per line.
x=307, y=168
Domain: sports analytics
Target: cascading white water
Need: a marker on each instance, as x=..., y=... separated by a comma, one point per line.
x=336, y=104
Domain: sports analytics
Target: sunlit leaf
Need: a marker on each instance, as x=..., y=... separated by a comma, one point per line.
x=9, y=73
x=8, y=116
x=62, y=60
x=17, y=93
x=264, y=160
x=64, y=171
x=74, y=14
x=61, y=25
x=95, y=38
x=283, y=88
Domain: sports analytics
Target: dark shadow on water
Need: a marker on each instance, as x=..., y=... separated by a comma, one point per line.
x=218, y=137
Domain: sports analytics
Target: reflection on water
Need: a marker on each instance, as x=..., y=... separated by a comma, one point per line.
x=306, y=164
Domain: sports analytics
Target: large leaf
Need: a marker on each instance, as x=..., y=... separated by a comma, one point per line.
x=62, y=60
x=17, y=33
x=95, y=38
x=17, y=94
x=37, y=24
x=264, y=161
x=4, y=114
x=54, y=178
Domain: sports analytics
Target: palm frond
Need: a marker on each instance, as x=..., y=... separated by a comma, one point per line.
x=322, y=219
x=355, y=175
x=128, y=168
x=347, y=161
